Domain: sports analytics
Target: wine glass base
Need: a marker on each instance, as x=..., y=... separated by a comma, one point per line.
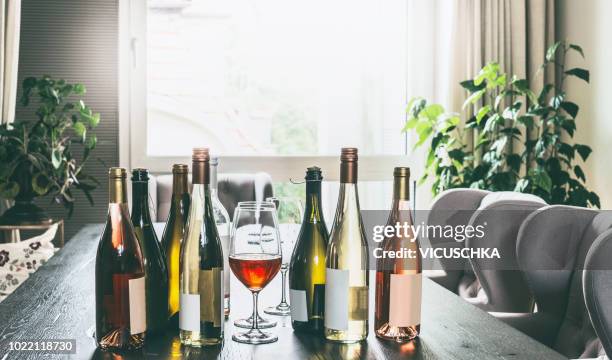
x=254, y=337
x=261, y=323
x=278, y=310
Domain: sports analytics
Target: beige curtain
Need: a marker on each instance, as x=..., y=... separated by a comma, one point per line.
x=10, y=17
x=515, y=33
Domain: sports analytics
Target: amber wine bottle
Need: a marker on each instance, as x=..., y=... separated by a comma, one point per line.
x=156, y=282
x=201, y=314
x=120, y=275
x=398, y=280
x=307, y=267
x=173, y=236
x=346, y=273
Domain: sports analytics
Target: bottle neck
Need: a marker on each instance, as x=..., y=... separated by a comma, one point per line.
x=348, y=172
x=117, y=191
x=400, y=206
x=180, y=185
x=140, y=201
x=312, y=210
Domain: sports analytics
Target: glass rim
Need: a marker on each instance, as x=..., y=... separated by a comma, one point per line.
x=256, y=205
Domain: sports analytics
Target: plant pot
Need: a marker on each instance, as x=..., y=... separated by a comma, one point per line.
x=24, y=212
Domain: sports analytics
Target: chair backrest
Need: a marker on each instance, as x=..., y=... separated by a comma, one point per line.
x=502, y=213
x=453, y=207
x=552, y=246
x=597, y=286
x=233, y=188
x=492, y=290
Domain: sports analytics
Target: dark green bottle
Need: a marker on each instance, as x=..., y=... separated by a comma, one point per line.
x=156, y=273
x=307, y=267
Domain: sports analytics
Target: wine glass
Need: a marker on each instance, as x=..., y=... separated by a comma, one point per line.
x=290, y=212
x=255, y=258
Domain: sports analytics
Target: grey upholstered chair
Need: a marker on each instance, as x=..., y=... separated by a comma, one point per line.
x=502, y=290
x=597, y=287
x=233, y=188
x=552, y=246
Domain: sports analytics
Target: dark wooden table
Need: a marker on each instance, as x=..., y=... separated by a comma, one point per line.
x=57, y=302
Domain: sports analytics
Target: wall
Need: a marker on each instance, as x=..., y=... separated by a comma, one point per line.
x=77, y=41
x=587, y=23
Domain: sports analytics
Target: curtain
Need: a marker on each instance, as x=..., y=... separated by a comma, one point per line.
x=10, y=16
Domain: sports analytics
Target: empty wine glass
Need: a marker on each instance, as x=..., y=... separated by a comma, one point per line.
x=290, y=212
x=255, y=258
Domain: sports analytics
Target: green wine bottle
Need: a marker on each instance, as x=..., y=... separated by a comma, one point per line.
x=156, y=273
x=307, y=267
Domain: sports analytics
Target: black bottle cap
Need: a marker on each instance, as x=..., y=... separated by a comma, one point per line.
x=313, y=174
x=140, y=174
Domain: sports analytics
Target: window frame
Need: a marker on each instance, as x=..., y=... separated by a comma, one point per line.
x=133, y=119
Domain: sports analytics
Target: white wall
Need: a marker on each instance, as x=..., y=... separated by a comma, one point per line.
x=588, y=23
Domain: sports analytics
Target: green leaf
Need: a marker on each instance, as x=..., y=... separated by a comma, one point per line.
x=482, y=113
x=79, y=89
x=80, y=130
x=526, y=120
x=9, y=190
x=569, y=125
x=474, y=98
x=541, y=179
x=410, y=124
x=579, y=73
x=570, y=107
x=567, y=150
x=41, y=184
x=579, y=173
x=552, y=51
x=583, y=150
x=56, y=158
x=521, y=185
x=577, y=48
x=470, y=86
x=557, y=100
x=433, y=111
x=91, y=141
x=544, y=93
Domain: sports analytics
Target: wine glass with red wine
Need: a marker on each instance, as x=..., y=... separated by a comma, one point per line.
x=255, y=258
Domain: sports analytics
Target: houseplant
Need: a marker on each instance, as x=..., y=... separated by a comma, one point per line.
x=522, y=141
x=37, y=157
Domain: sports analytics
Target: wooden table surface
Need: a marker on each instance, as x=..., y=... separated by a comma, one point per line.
x=57, y=302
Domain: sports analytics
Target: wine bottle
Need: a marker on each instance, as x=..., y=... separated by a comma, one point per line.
x=307, y=266
x=346, y=273
x=222, y=220
x=398, y=280
x=201, y=314
x=173, y=236
x=156, y=281
x=120, y=275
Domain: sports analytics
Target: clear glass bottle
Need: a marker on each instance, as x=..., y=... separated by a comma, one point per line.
x=346, y=273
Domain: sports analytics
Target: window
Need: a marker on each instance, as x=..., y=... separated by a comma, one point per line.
x=269, y=85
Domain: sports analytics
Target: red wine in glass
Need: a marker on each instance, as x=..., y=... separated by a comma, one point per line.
x=255, y=271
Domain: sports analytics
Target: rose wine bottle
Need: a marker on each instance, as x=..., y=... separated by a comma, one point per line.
x=173, y=236
x=156, y=282
x=201, y=314
x=398, y=280
x=346, y=273
x=222, y=220
x=120, y=275
x=307, y=267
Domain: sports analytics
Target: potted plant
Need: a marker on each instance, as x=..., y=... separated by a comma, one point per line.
x=523, y=140
x=37, y=157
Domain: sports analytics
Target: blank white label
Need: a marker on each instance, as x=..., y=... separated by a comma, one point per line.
x=138, y=307
x=297, y=299
x=336, y=299
x=405, y=300
x=189, y=314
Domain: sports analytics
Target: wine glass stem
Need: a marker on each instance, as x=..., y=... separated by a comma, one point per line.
x=255, y=324
x=284, y=279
